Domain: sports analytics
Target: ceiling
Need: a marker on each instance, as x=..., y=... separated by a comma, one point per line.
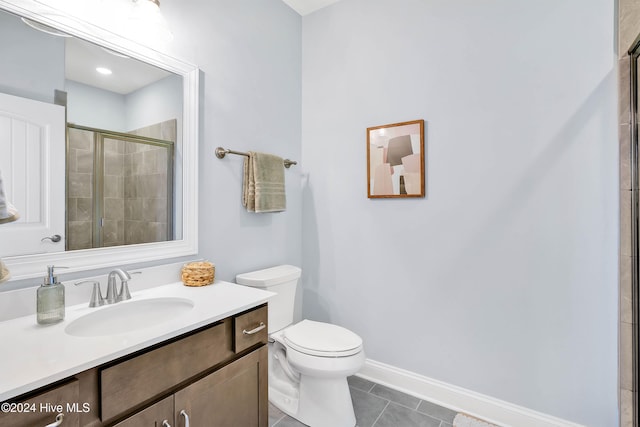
x=82, y=58
x=305, y=7
x=129, y=75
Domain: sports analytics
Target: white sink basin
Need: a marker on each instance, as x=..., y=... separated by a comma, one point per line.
x=128, y=316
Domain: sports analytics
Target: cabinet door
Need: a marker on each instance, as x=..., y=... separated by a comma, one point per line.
x=41, y=409
x=157, y=415
x=233, y=396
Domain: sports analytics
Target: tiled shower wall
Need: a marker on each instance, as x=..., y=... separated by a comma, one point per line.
x=146, y=194
x=628, y=29
x=80, y=189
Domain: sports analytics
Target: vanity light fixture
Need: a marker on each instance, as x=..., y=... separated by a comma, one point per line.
x=140, y=20
x=44, y=28
x=149, y=22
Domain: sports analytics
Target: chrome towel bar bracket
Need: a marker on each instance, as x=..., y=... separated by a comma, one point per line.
x=221, y=152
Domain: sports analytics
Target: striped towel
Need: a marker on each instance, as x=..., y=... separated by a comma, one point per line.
x=263, y=183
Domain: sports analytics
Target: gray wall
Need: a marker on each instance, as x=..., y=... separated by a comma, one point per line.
x=503, y=280
x=23, y=51
x=155, y=103
x=249, y=53
x=102, y=109
x=96, y=108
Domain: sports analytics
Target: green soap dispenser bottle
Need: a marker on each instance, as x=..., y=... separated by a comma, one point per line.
x=50, y=299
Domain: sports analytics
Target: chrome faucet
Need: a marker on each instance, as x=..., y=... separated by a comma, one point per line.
x=112, y=295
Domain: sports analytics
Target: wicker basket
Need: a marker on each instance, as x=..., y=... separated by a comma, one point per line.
x=199, y=273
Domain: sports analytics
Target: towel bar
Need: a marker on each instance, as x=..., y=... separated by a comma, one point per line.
x=221, y=152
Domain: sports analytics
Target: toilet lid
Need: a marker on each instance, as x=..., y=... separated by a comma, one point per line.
x=322, y=339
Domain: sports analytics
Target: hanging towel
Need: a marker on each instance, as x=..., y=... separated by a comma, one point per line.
x=4, y=272
x=8, y=213
x=263, y=183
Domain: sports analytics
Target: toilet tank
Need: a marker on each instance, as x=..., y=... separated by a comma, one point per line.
x=282, y=280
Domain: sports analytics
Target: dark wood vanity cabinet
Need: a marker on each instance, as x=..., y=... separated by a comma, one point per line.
x=230, y=396
x=41, y=408
x=215, y=376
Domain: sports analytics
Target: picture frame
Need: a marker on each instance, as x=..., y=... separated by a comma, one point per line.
x=395, y=160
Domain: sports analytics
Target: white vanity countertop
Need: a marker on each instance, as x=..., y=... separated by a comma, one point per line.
x=36, y=355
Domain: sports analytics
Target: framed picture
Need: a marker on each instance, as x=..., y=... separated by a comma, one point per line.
x=395, y=160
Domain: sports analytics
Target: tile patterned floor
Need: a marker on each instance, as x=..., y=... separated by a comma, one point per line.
x=378, y=406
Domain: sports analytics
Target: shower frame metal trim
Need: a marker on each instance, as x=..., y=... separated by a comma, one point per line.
x=634, y=53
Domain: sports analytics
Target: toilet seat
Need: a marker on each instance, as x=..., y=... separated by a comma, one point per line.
x=322, y=339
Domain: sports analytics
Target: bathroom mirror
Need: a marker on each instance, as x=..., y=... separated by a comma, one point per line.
x=174, y=113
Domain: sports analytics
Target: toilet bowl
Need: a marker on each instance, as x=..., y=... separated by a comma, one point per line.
x=309, y=361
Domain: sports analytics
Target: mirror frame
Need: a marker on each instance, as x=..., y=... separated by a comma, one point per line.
x=28, y=266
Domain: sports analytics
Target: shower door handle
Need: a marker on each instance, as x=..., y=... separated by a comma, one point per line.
x=55, y=238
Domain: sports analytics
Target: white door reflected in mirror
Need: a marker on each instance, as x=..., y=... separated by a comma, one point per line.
x=32, y=162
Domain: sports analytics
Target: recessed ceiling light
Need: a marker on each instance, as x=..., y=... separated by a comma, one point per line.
x=103, y=70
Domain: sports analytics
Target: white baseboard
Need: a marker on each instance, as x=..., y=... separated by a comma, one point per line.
x=459, y=399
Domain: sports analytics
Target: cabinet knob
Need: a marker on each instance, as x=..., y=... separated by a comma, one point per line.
x=186, y=418
x=58, y=421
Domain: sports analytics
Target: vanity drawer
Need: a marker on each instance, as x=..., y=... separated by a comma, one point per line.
x=41, y=409
x=250, y=328
x=133, y=382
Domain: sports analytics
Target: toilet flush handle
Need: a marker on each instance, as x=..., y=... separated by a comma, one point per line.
x=255, y=330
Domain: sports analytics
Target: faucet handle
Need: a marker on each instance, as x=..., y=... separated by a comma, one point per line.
x=96, y=295
x=112, y=294
x=124, y=293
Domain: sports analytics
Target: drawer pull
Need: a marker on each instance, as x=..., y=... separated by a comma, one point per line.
x=165, y=423
x=186, y=418
x=255, y=330
x=59, y=419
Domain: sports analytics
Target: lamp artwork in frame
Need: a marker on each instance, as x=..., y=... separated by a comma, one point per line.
x=395, y=160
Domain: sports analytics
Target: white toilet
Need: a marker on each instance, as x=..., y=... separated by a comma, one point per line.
x=309, y=362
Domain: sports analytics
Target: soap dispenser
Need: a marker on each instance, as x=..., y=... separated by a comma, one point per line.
x=50, y=299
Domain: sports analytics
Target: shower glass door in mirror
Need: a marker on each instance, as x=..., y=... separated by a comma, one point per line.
x=120, y=186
